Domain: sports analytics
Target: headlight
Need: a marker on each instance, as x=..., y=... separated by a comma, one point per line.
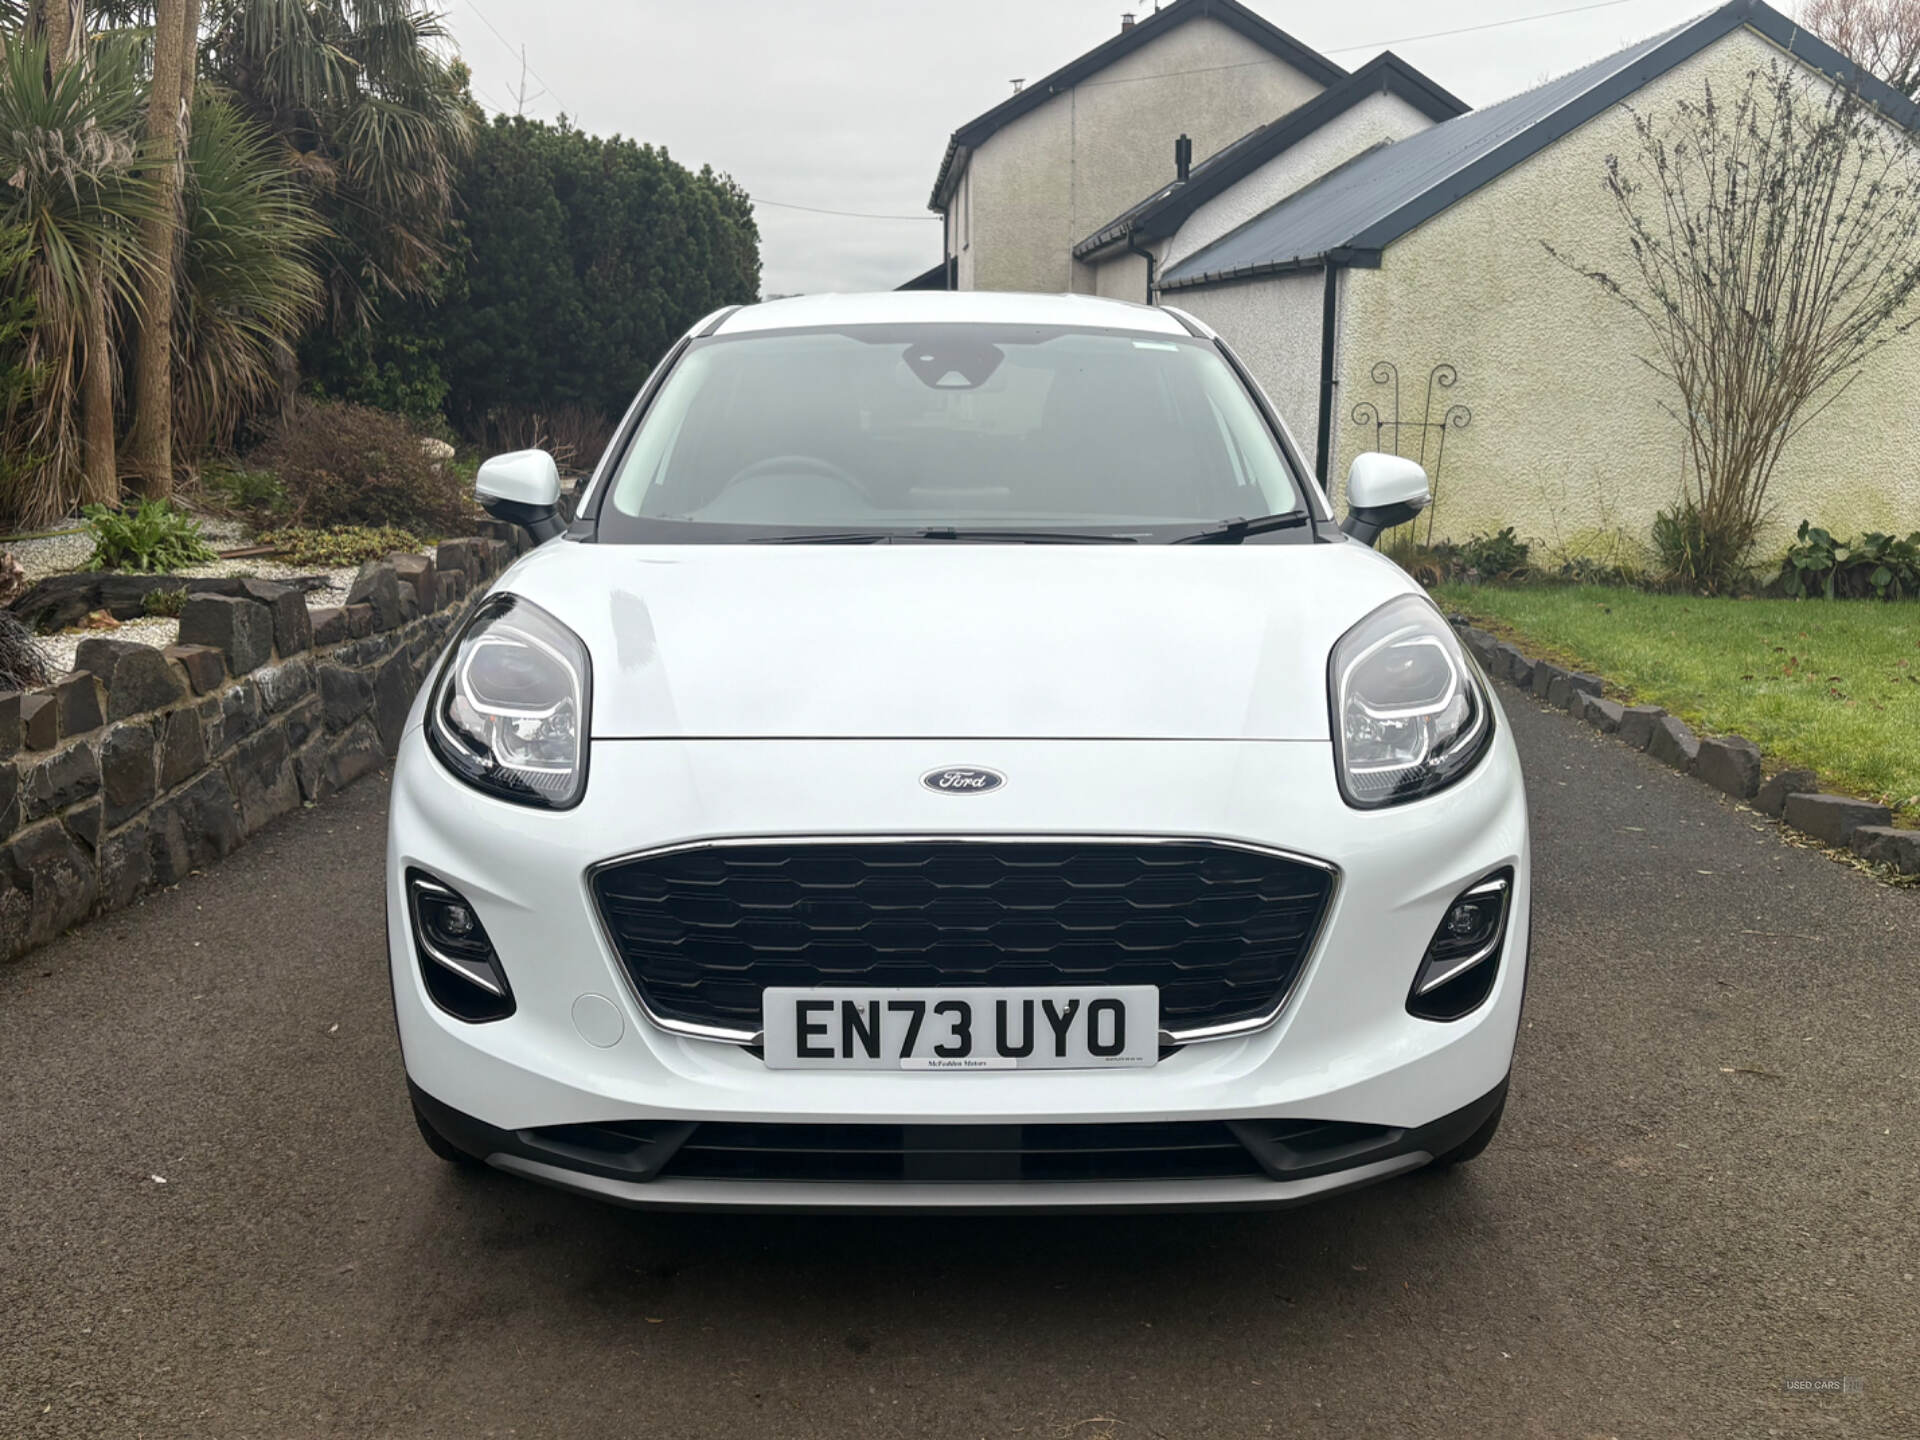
x=1410, y=715
x=510, y=712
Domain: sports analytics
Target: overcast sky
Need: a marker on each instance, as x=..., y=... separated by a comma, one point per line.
x=847, y=104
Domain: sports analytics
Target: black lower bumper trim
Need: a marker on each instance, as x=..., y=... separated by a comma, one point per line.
x=640, y=1150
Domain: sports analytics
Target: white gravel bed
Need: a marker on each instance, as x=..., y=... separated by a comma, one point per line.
x=53, y=555
x=68, y=550
x=158, y=631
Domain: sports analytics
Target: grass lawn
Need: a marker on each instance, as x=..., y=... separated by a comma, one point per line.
x=1831, y=686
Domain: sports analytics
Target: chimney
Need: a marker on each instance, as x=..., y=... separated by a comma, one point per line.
x=1126, y=22
x=1182, y=158
x=1019, y=85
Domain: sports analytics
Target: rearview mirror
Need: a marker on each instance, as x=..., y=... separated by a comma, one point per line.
x=1383, y=491
x=522, y=488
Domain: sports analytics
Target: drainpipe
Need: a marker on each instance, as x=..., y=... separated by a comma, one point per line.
x=1133, y=248
x=1329, y=330
x=949, y=279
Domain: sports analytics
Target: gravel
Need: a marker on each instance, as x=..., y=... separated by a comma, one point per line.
x=158, y=631
x=68, y=550
x=52, y=554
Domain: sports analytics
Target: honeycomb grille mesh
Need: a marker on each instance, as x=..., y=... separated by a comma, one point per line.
x=1222, y=931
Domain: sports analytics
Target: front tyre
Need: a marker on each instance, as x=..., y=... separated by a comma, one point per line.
x=441, y=1146
x=1470, y=1147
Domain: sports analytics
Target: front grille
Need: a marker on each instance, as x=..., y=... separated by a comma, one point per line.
x=1222, y=931
x=960, y=1154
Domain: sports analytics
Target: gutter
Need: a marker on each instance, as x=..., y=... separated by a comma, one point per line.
x=1365, y=259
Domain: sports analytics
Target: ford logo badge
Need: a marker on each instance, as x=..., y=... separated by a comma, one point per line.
x=963, y=780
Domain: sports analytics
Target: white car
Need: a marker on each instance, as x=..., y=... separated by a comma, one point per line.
x=953, y=759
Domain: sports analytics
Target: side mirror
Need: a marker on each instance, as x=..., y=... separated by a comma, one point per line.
x=1383, y=491
x=523, y=489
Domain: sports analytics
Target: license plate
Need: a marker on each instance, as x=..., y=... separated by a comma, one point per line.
x=961, y=1028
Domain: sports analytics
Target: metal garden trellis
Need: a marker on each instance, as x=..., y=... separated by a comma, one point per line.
x=1455, y=416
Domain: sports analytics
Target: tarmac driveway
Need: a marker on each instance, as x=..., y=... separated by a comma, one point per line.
x=1708, y=1186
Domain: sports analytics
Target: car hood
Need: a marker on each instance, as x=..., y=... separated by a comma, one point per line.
x=958, y=641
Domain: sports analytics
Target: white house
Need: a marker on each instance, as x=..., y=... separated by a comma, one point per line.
x=1378, y=254
x=1020, y=184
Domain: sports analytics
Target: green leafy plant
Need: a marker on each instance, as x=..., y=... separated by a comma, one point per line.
x=1500, y=556
x=151, y=536
x=339, y=547
x=1875, y=566
x=168, y=603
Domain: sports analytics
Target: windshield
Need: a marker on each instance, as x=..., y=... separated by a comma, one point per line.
x=959, y=430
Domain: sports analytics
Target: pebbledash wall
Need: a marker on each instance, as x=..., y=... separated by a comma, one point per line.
x=1059, y=172
x=143, y=764
x=1569, y=441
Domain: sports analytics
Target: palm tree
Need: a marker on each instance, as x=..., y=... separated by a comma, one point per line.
x=373, y=121
x=247, y=285
x=68, y=157
x=176, y=36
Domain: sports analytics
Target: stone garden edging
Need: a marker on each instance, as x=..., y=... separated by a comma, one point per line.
x=1729, y=763
x=143, y=765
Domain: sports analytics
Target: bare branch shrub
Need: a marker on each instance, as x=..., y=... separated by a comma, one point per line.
x=1881, y=35
x=349, y=465
x=1775, y=247
x=573, y=434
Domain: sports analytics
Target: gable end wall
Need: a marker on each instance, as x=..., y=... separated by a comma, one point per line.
x=1569, y=442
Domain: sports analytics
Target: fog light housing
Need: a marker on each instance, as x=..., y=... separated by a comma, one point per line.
x=1457, y=972
x=457, y=961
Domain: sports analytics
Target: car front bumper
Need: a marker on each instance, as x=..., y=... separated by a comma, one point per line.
x=1343, y=1050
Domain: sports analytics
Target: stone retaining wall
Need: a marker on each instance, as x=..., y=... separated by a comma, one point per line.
x=143, y=765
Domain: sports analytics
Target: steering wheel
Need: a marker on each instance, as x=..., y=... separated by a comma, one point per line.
x=804, y=464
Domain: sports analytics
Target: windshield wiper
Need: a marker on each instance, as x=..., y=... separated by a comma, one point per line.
x=943, y=533
x=829, y=537
x=1232, y=532
x=1026, y=537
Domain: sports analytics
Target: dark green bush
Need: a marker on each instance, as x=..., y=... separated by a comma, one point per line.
x=151, y=536
x=1873, y=567
x=1501, y=556
x=349, y=465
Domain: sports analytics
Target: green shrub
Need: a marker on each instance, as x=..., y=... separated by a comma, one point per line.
x=339, y=547
x=164, y=602
x=1701, y=553
x=1501, y=556
x=152, y=536
x=245, y=492
x=348, y=465
x=1876, y=566
x=1426, y=564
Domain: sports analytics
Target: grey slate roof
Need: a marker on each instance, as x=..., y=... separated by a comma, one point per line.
x=1232, y=13
x=1163, y=212
x=1353, y=213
